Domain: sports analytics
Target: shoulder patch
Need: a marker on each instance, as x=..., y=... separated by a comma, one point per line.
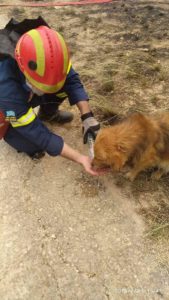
x=10, y=116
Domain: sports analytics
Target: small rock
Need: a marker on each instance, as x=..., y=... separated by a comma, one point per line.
x=53, y=236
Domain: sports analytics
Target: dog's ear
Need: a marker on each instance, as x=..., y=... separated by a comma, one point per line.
x=121, y=148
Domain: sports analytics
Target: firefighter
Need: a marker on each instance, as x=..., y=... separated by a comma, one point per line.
x=35, y=70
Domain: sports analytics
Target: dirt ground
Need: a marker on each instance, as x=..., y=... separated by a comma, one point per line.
x=65, y=234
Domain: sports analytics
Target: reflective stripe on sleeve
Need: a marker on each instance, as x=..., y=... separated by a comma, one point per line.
x=61, y=95
x=26, y=119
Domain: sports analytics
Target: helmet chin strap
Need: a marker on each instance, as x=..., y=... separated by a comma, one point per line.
x=34, y=90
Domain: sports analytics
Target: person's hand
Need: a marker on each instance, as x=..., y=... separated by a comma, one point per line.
x=87, y=164
x=90, y=126
x=84, y=160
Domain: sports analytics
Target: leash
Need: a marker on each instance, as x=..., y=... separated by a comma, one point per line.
x=50, y=4
x=112, y=120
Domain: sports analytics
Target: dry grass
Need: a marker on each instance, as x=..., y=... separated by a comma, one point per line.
x=18, y=13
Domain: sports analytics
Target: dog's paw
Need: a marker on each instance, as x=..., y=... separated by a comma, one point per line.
x=157, y=175
x=129, y=175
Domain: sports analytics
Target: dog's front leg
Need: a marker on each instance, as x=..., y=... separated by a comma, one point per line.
x=157, y=174
x=131, y=175
x=147, y=160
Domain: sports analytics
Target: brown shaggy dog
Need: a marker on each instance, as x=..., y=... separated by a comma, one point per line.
x=139, y=141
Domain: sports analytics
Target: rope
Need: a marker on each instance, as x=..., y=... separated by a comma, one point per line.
x=48, y=4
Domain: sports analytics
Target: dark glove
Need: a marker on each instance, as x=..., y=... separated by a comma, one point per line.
x=90, y=126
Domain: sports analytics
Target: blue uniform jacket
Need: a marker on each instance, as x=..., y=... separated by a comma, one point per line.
x=14, y=103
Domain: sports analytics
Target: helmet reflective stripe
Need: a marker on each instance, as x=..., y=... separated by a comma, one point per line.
x=44, y=87
x=69, y=66
x=40, y=54
x=65, y=52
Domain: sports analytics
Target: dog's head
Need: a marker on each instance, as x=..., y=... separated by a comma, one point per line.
x=108, y=152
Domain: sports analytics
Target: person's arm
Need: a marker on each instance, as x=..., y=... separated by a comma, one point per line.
x=77, y=95
x=28, y=125
x=83, y=107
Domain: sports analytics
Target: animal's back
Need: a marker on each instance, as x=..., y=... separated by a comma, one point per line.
x=162, y=146
x=136, y=128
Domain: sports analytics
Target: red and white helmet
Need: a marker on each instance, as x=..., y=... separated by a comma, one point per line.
x=43, y=57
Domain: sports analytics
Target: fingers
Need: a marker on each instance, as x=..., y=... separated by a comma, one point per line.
x=87, y=164
x=97, y=172
x=102, y=171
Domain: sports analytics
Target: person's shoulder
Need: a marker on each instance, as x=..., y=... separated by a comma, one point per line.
x=11, y=81
x=8, y=61
x=8, y=68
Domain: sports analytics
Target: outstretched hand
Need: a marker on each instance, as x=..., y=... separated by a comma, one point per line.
x=84, y=160
x=87, y=164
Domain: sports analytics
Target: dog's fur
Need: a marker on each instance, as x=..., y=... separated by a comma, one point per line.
x=139, y=141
